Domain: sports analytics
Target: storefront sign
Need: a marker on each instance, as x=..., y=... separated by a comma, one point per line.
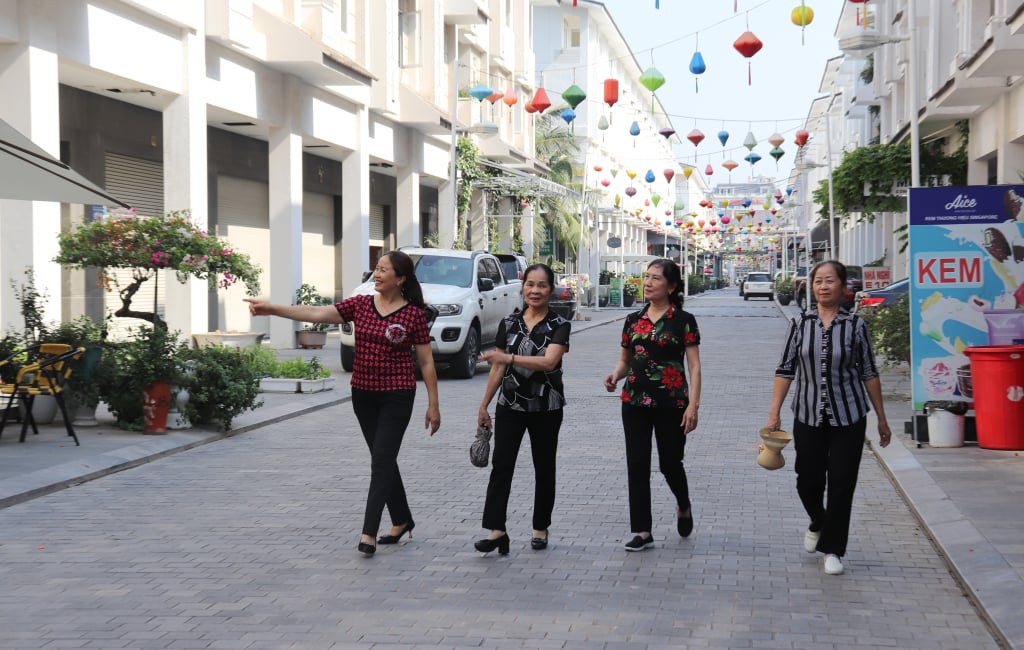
x=876, y=277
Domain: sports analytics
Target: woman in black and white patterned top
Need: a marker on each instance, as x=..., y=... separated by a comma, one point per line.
x=526, y=372
x=828, y=353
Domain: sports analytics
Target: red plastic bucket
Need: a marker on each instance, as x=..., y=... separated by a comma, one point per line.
x=997, y=372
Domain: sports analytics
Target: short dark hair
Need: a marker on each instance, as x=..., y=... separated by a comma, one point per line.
x=540, y=267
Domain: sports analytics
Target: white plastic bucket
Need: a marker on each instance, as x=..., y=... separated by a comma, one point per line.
x=945, y=429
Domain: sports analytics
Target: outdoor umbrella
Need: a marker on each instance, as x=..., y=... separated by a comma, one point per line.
x=29, y=173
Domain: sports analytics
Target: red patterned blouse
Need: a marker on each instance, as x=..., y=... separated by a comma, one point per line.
x=383, y=343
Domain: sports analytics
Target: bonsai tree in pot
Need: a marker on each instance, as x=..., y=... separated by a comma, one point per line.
x=125, y=240
x=313, y=336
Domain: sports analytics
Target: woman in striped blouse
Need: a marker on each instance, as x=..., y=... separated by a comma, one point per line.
x=828, y=352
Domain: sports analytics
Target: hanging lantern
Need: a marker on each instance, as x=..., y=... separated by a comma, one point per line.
x=666, y=132
x=747, y=202
x=802, y=16
x=647, y=203
x=480, y=92
x=602, y=123
x=651, y=79
x=669, y=174
x=598, y=168
x=679, y=206
x=618, y=200
x=649, y=176
x=695, y=137
x=655, y=199
x=726, y=219
x=495, y=96
x=748, y=45
x=709, y=170
x=776, y=140
x=634, y=129
x=611, y=91
x=730, y=165
x=801, y=138
x=750, y=141
x=776, y=153
x=687, y=171
x=630, y=191
x=723, y=137
x=529, y=107
x=573, y=95
x=568, y=115
x=631, y=174
x=697, y=67
x=614, y=171
x=605, y=182
x=540, y=101
x=510, y=96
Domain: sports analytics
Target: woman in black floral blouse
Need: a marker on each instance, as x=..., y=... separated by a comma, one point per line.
x=656, y=396
x=527, y=367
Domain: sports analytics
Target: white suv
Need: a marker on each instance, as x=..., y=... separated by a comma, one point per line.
x=758, y=284
x=471, y=296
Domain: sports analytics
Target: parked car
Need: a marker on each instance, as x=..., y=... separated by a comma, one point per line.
x=563, y=301
x=469, y=291
x=884, y=297
x=854, y=283
x=758, y=284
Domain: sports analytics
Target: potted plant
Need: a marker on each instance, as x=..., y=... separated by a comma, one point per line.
x=630, y=291
x=137, y=375
x=313, y=336
x=221, y=384
x=83, y=389
x=30, y=304
x=784, y=289
x=294, y=376
x=890, y=330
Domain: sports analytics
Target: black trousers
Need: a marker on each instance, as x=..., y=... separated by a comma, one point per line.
x=383, y=416
x=638, y=422
x=828, y=457
x=509, y=429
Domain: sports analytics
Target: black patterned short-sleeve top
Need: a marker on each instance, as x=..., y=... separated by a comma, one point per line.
x=383, y=359
x=657, y=375
x=532, y=390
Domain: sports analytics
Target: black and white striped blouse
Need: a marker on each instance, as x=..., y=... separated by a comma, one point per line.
x=830, y=366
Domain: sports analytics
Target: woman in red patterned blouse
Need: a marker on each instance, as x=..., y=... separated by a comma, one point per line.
x=656, y=396
x=388, y=325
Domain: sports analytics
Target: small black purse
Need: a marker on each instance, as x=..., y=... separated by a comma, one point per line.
x=480, y=450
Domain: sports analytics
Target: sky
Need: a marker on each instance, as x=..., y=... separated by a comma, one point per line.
x=785, y=74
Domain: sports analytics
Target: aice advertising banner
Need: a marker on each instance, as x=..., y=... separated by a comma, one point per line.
x=967, y=282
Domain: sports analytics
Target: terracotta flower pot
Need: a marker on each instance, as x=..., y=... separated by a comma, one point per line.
x=156, y=401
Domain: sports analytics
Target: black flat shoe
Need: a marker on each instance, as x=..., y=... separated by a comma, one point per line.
x=487, y=545
x=539, y=543
x=684, y=524
x=393, y=539
x=366, y=549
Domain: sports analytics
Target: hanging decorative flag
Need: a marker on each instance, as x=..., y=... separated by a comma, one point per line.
x=573, y=95
x=750, y=141
x=748, y=45
x=480, y=92
x=651, y=79
x=540, y=101
x=802, y=16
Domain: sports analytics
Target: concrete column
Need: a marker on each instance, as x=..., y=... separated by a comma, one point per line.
x=446, y=214
x=28, y=230
x=478, y=212
x=529, y=223
x=355, y=208
x=285, y=195
x=407, y=205
x=185, y=183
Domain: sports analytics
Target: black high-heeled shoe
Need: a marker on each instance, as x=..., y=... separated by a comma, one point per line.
x=487, y=545
x=394, y=539
x=366, y=549
x=540, y=543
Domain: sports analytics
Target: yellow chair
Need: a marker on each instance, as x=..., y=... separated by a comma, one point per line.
x=46, y=372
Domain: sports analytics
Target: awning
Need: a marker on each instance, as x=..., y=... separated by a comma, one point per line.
x=30, y=174
x=512, y=181
x=820, y=236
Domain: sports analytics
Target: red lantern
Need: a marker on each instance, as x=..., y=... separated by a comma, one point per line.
x=669, y=175
x=748, y=45
x=510, y=96
x=611, y=91
x=605, y=182
x=801, y=138
x=540, y=101
x=598, y=168
x=708, y=170
x=695, y=136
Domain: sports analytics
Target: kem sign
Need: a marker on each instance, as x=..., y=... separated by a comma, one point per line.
x=948, y=270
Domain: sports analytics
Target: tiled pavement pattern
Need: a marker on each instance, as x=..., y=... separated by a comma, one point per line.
x=250, y=542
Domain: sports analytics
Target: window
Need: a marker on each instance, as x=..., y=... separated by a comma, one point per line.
x=571, y=32
x=488, y=269
x=409, y=33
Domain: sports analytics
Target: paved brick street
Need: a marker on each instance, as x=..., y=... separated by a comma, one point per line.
x=249, y=542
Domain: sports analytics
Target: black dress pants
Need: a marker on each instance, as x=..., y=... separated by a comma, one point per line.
x=509, y=429
x=383, y=416
x=638, y=422
x=828, y=458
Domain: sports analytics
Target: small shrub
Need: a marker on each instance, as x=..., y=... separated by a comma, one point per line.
x=299, y=369
x=890, y=330
x=221, y=385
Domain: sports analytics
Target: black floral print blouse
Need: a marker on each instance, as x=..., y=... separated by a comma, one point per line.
x=532, y=390
x=657, y=374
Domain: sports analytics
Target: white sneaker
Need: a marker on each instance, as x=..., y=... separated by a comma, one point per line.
x=833, y=565
x=811, y=541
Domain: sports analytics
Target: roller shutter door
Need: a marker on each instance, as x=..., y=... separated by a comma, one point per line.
x=243, y=218
x=318, y=242
x=140, y=183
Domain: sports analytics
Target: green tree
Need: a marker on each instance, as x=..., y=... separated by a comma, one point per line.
x=557, y=149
